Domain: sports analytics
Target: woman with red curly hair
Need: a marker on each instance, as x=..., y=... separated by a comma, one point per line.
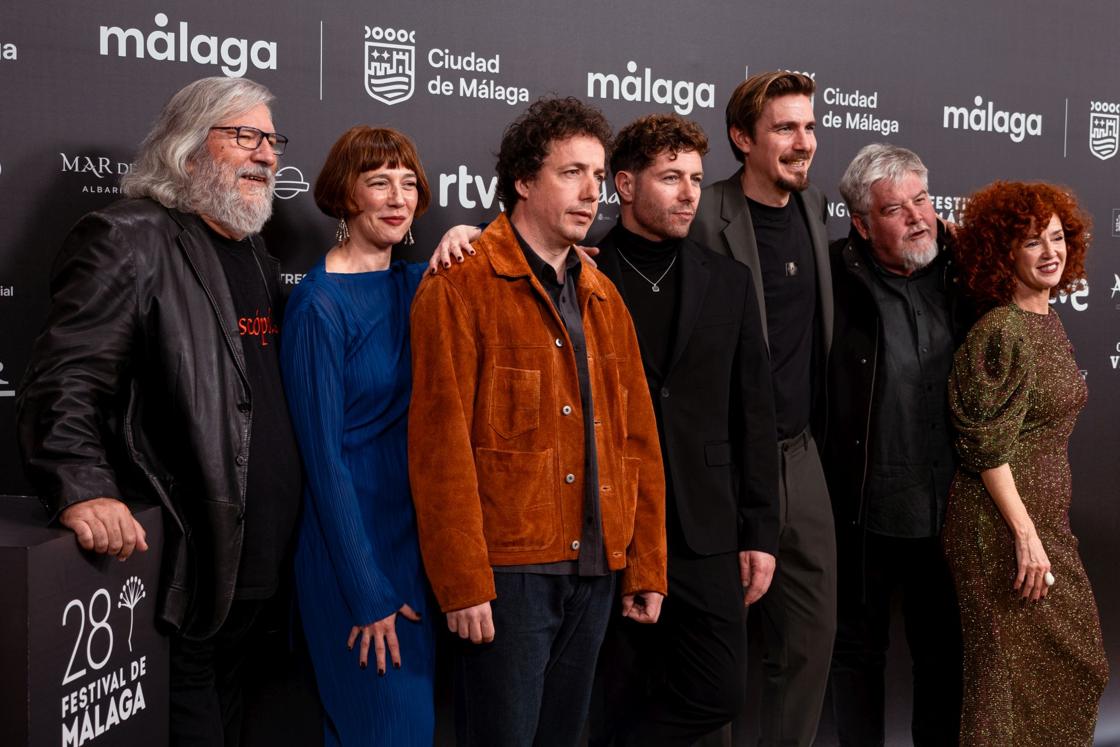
x=1034, y=665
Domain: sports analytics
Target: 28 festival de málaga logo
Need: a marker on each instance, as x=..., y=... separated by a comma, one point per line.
x=97, y=699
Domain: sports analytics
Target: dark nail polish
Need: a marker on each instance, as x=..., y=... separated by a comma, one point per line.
x=380, y=672
x=362, y=665
x=396, y=665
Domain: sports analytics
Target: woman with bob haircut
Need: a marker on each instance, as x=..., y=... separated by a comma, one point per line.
x=1034, y=662
x=347, y=372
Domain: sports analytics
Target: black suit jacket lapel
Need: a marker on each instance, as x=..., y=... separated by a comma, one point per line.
x=693, y=267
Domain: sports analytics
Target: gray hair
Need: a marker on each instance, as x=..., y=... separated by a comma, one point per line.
x=874, y=163
x=179, y=135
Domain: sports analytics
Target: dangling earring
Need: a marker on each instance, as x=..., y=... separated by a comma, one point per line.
x=408, y=240
x=342, y=233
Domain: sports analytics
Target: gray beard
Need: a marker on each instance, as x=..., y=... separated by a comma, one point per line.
x=214, y=192
x=918, y=258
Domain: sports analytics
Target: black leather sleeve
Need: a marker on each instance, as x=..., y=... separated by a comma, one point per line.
x=69, y=402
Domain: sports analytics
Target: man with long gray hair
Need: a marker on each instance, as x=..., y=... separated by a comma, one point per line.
x=889, y=452
x=156, y=380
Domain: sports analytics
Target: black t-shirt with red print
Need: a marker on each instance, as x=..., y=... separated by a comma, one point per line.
x=272, y=495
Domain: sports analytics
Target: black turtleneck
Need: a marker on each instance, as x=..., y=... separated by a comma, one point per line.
x=654, y=313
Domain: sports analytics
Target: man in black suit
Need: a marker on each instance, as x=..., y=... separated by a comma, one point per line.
x=708, y=372
x=768, y=217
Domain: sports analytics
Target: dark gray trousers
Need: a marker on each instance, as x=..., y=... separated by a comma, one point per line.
x=797, y=617
x=799, y=612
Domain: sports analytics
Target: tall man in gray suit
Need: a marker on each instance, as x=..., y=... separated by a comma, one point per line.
x=768, y=217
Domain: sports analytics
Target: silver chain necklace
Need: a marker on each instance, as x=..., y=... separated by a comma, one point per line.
x=656, y=287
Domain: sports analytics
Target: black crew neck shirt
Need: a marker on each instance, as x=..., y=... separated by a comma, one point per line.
x=272, y=493
x=789, y=282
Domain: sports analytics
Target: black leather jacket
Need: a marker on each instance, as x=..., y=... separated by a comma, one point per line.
x=853, y=366
x=137, y=390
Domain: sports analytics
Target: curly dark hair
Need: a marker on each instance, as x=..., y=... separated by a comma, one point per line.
x=1001, y=216
x=526, y=142
x=640, y=142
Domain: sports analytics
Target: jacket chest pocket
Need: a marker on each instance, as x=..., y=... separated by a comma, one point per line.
x=515, y=401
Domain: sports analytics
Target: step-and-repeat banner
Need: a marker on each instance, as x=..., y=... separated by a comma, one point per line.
x=980, y=90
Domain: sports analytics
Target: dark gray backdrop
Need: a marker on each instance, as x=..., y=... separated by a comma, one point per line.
x=942, y=78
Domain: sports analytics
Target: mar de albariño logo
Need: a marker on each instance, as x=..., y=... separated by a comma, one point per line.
x=390, y=56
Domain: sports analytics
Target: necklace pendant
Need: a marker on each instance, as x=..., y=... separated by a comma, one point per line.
x=656, y=288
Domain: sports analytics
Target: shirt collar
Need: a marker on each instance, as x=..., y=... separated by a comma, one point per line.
x=543, y=270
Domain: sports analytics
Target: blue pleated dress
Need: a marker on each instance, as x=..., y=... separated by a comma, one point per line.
x=347, y=372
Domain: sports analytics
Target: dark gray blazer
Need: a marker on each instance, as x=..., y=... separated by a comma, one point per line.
x=723, y=224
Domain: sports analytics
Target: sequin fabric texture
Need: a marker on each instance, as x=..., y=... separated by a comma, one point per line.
x=1034, y=671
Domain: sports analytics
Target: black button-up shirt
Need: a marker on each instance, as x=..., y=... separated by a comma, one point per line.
x=911, y=456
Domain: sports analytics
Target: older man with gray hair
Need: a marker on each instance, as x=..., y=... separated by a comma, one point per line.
x=156, y=380
x=889, y=453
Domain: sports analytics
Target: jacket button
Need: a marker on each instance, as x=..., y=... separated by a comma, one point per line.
x=566, y=409
x=575, y=544
x=242, y=460
x=569, y=478
x=243, y=407
x=857, y=442
x=559, y=343
x=665, y=392
x=863, y=361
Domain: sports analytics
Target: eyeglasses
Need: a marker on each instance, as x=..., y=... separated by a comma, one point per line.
x=250, y=138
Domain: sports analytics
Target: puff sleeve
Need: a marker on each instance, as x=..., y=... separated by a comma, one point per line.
x=989, y=389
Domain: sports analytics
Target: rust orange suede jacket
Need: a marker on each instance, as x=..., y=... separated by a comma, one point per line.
x=495, y=427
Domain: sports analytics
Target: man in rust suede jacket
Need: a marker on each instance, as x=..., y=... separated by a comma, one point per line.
x=538, y=474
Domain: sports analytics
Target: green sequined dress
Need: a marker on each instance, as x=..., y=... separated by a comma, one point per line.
x=1034, y=672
